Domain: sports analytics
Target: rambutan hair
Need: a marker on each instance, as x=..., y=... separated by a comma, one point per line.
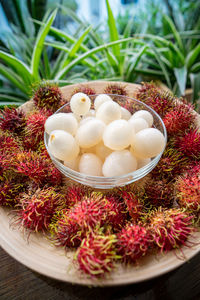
x=134, y=203
x=133, y=242
x=170, y=228
x=37, y=208
x=116, y=89
x=189, y=144
x=181, y=118
x=187, y=189
x=96, y=255
x=13, y=120
x=9, y=191
x=84, y=89
x=48, y=96
x=9, y=144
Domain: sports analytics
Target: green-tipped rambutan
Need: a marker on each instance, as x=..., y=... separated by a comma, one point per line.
x=84, y=89
x=40, y=170
x=161, y=101
x=42, y=151
x=133, y=242
x=187, y=189
x=159, y=193
x=74, y=194
x=116, y=89
x=37, y=208
x=96, y=255
x=48, y=96
x=8, y=143
x=13, y=120
x=9, y=192
x=189, y=144
x=170, y=228
x=134, y=204
x=179, y=119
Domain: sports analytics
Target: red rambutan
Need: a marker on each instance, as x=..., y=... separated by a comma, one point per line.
x=179, y=119
x=187, y=189
x=133, y=202
x=8, y=143
x=189, y=144
x=170, y=227
x=48, y=96
x=96, y=255
x=42, y=151
x=13, y=120
x=133, y=242
x=40, y=170
x=159, y=193
x=161, y=101
x=116, y=89
x=84, y=89
x=75, y=194
x=37, y=208
x=9, y=192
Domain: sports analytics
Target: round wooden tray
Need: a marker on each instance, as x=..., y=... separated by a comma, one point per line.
x=38, y=254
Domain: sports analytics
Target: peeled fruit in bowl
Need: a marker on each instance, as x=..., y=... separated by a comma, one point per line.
x=62, y=121
x=100, y=99
x=80, y=104
x=144, y=114
x=102, y=151
x=147, y=143
x=138, y=124
x=90, y=164
x=117, y=135
x=125, y=114
x=108, y=112
x=119, y=163
x=90, y=133
x=63, y=145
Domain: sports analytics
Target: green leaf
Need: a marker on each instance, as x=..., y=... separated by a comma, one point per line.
x=39, y=44
x=192, y=56
x=10, y=98
x=195, y=82
x=14, y=78
x=112, y=29
x=135, y=61
x=88, y=54
x=17, y=65
x=181, y=76
x=195, y=68
x=172, y=27
x=76, y=46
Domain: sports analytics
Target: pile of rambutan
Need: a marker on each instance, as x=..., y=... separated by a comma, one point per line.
x=102, y=228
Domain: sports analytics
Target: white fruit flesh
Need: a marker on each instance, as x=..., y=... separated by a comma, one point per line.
x=100, y=99
x=144, y=114
x=61, y=121
x=108, y=112
x=90, y=164
x=80, y=104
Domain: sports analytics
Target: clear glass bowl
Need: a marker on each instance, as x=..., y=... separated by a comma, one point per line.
x=101, y=182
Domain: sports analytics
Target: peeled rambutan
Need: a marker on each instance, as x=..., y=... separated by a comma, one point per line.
x=40, y=170
x=48, y=96
x=171, y=164
x=133, y=242
x=170, y=228
x=37, y=208
x=133, y=202
x=179, y=119
x=96, y=255
x=115, y=89
x=187, y=189
x=159, y=193
x=161, y=101
x=189, y=144
x=13, y=120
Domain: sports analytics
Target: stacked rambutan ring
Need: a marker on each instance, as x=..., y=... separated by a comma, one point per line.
x=104, y=141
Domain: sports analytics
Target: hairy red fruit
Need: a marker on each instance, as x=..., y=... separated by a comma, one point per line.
x=13, y=120
x=179, y=119
x=37, y=209
x=116, y=212
x=8, y=143
x=9, y=192
x=134, y=241
x=170, y=227
x=133, y=203
x=48, y=96
x=189, y=144
x=75, y=194
x=115, y=89
x=84, y=89
x=96, y=255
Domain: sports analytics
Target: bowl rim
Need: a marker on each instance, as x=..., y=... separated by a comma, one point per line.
x=108, y=179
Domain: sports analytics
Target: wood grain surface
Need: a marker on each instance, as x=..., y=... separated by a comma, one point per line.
x=19, y=282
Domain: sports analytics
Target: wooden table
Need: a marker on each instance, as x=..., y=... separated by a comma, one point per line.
x=19, y=282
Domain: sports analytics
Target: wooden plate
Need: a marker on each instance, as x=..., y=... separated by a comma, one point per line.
x=38, y=254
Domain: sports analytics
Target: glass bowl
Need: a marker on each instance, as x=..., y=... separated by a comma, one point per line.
x=101, y=182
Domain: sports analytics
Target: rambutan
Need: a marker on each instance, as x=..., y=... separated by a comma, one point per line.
x=161, y=101
x=133, y=202
x=84, y=89
x=40, y=170
x=170, y=227
x=48, y=96
x=179, y=119
x=37, y=208
x=9, y=192
x=187, y=189
x=189, y=144
x=171, y=164
x=133, y=242
x=116, y=89
x=8, y=143
x=159, y=193
x=42, y=151
x=96, y=255
x=13, y=120
x=74, y=194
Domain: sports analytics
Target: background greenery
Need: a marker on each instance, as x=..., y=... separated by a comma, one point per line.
x=42, y=39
